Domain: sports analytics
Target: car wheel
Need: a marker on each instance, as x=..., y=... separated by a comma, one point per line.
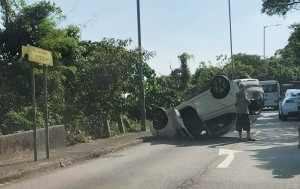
x=220, y=87
x=283, y=117
x=160, y=118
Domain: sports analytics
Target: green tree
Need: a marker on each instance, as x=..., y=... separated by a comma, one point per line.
x=240, y=69
x=201, y=80
x=9, y=8
x=282, y=70
x=181, y=75
x=254, y=61
x=33, y=25
x=106, y=83
x=280, y=7
x=161, y=94
x=292, y=49
x=89, y=82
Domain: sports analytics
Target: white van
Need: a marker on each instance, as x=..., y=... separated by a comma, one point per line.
x=271, y=92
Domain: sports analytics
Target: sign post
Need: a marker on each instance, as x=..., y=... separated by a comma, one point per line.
x=43, y=57
x=34, y=113
x=46, y=110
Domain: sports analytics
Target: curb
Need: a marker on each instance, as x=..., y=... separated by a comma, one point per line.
x=23, y=173
x=67, y=161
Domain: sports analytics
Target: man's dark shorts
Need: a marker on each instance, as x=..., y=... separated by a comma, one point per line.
x=242, y=122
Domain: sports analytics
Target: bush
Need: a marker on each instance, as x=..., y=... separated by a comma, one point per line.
x=114, y=129
x=76, y=136
x=22, y=120
x=75, y=122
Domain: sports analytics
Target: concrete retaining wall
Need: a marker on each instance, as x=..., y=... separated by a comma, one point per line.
x=15, y=145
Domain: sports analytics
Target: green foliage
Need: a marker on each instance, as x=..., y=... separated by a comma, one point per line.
x=240, y=69
x=251, y=62
x=161, y=93
x=29, y=26
x=279, y=7
x=185, y=71
x=282, y=70
x=9, y=9
x=109, y=77
x=75, y=136
x=284, y=67
x=292, y=49
x=34, y=25
x=23, y=119
x=181, y=75
x=201, y=80
x=75, y=122
x=135, y=125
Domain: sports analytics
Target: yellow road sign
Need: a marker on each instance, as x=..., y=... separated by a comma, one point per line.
x=38, y=55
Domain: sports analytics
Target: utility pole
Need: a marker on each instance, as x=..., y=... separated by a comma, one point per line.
x=232, y=62
x=141, y=83
x=45, y=70
x=34, y=113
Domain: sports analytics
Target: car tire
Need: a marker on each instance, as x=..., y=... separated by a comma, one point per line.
x=283, y=117
x=220, y=87
x=160, y=118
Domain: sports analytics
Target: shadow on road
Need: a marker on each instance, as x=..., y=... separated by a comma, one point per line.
x=210, y=142
x=277, y=146
x=284, y=161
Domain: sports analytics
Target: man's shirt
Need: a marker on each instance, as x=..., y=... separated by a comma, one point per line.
x=242, y=102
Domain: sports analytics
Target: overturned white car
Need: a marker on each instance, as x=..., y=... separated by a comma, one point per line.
x=211, y=113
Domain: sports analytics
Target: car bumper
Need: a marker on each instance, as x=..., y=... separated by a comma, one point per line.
x=291, y=112
x=174, y=126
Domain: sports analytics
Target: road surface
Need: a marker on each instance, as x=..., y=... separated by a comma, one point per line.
x=273, y=161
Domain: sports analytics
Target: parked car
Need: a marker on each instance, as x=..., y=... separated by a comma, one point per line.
x=211, y=113
x=290, y=104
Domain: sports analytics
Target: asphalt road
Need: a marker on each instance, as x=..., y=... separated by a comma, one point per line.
x=273, y=161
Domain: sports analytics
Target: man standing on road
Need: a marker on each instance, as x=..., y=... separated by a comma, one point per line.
x=242, y=112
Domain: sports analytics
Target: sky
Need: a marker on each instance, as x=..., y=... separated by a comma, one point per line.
x=172, y=27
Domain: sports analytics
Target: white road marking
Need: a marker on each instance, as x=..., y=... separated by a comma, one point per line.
x=229, y=159
x=257, y=132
